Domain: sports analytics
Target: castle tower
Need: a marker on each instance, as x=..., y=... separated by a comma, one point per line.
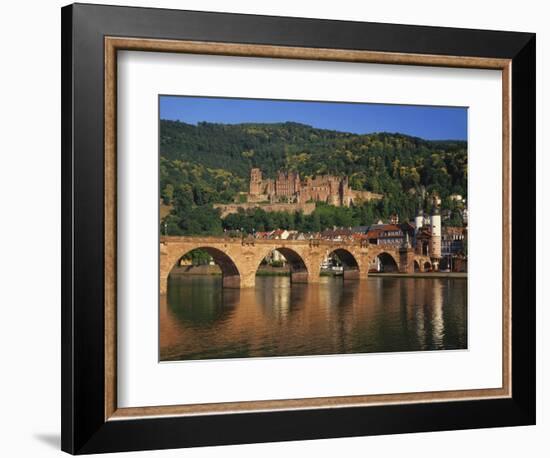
x=435, y=242
x=255, y=181
x=418, y=224
x=294, y=184
x=297, y=182
x=418, y=221
x=281, y=185
x=346, y=194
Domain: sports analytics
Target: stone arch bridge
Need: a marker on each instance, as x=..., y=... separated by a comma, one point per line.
x=239, y=258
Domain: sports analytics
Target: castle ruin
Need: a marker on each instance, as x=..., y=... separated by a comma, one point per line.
x=288, y=187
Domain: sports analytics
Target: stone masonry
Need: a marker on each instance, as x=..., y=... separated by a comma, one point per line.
x=239, y=258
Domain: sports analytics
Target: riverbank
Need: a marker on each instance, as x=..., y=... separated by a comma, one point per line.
x=421, y=275
x=196, y=270
x=268, y=271
x=331, y=273
x=207, y=270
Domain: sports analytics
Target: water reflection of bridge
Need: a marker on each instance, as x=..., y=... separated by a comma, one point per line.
x=199, y=319
x=239, y=258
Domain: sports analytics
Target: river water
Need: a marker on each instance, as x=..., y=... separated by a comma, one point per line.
x=201, y=320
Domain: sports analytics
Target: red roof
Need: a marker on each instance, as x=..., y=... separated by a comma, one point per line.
x=379, y=230
x=453, y=230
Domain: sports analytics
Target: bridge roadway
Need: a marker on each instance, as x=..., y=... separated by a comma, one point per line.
x=239, y=258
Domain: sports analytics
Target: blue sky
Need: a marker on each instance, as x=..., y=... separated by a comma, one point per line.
x=428, y=122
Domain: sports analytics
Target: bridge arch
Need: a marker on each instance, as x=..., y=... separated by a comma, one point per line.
x=387, y=262
x=350, y=264
x=239, y=259
x=416, y=266
x=298, y=268
x=230, y=272
x=427, y=266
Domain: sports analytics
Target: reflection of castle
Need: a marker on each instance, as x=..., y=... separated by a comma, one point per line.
x=289, y=188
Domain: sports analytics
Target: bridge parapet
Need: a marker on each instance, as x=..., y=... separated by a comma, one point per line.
x=170, y=239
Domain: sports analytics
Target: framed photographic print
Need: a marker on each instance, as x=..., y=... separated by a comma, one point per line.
x=282, y=228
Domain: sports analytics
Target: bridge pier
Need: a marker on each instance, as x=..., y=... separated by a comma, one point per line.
x=406, y=261
x=247, y=280
x=351, y=274
x=166, y=264
x=231, y=281
x=299, y=277
x=356, y=274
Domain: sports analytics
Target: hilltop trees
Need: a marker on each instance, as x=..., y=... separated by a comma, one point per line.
x=210, y=163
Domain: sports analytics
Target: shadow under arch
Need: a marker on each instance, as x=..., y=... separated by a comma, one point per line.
x=296, y=264
x=201, y=301
x=230, y=274
x=427, y=266
x=349, y=263
x=416, y=266
x=387, y=263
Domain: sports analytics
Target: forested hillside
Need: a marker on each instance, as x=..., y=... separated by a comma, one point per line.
x=209, y=163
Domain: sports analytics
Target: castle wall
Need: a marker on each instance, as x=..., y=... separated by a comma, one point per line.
x=257, y=198
x=255, y=181
x=325, y=188
x=364, y=196
x=307, y=208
